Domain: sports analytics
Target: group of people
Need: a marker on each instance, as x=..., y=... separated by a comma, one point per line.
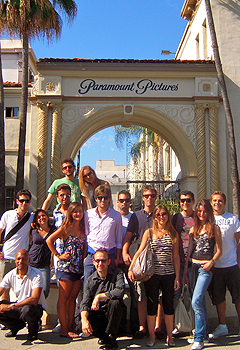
x=93, y=246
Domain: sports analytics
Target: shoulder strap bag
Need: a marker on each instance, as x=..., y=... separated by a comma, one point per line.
x=143, y=268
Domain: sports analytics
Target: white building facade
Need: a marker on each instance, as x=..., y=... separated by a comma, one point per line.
x=71, y=99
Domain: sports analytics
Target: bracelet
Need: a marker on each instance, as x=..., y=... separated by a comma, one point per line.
x=12, y=306
x=57, y=255
x=129, y=270
x=213, y=261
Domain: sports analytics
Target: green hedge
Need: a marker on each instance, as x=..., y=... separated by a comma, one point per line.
x=172, y=205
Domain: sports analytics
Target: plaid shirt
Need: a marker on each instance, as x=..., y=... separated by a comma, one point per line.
x=58, y=217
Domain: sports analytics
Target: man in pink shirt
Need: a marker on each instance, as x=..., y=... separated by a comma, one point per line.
x=103, y=228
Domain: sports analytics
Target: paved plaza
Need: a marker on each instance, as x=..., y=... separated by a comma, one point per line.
x=49, y=341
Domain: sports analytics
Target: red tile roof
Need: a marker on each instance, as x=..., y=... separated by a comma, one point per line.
x=13, y=84
x=103, y=60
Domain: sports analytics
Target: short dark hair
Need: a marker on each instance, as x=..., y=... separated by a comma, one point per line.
x=101, y=250
x=187, y=193
x=24, y=192
x=125, y=192
x=149, y=188
x=102, y=189
x=63, y=187
x=68, y=160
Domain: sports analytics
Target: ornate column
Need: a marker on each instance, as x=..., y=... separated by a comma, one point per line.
x=42, y=152
x=214, y=146
x=201, y=151
x=56, y=140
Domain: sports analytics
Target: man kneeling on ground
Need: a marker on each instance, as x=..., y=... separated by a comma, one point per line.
x=27, y=283
x=102, y=306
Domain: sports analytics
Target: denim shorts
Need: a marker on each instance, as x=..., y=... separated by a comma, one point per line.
x=68, y=276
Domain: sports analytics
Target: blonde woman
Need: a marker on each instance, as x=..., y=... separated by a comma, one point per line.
x=88, y=182
x=164, y=245
x=70, y=265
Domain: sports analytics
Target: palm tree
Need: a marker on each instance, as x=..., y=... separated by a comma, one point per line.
x=2, y=144
x=29, y=18
x=228, y=113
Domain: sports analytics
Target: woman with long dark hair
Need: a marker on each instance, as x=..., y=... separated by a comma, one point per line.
x=164, y=245
x=88, y=182
x=70, y=265
x=39, y=253
x=205, y=248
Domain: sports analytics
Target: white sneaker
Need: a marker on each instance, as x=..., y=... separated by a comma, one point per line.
x=191, y=340
x=175, y=331
x=220, y=331
x=57, y=329
x=197, y=345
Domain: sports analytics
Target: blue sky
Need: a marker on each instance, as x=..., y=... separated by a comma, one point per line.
x=136, y=29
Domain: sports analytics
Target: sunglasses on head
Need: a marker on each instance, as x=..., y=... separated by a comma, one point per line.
x=149, y=195
x=62, y=195
x=188, y=200
x=102, y=197
x=88, y=174
x=67, y=167
x=161, y=214
x=127, y=200
x=24, y=200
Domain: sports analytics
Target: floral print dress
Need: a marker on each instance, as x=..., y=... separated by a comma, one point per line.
x=74, y=246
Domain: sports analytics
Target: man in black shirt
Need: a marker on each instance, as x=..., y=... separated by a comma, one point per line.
x=102, y=305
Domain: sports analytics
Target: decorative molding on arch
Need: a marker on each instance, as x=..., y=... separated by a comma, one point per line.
x=81, y=122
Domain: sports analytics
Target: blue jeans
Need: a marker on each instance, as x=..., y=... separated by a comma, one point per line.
x=46, y=279
x=199, y=304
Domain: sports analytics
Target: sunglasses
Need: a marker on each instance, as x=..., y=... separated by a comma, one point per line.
x=102, y=197
x=24, y=200
x=149, y=195
x=188, y=200
x=67, y=167
x=161, y=214
x=62, y=195
x=127, y=200
x=101, y=260
x=88, y=174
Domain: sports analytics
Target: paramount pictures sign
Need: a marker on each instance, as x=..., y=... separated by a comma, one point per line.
x=121, y=87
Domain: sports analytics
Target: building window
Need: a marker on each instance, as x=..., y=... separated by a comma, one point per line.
x=12, y=112
x=10, y=197
x=197, y=47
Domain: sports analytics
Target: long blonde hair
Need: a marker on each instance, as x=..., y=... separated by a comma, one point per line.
x=83, y=184
x=68, y=220
x=210, y=219
x=169, y=227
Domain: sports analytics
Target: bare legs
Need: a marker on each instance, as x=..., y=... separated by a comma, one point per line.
x=169, y=326
x=221, y=311
x=68, y=292
x=142, y=314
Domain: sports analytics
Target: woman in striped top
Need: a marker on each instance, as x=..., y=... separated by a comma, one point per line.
x=164, y=245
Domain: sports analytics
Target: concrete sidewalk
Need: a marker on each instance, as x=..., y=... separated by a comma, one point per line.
x=50, y=341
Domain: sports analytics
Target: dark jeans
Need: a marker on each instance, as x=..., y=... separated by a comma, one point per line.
x=134, y=322
x=107, y=319
x=16, y=318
